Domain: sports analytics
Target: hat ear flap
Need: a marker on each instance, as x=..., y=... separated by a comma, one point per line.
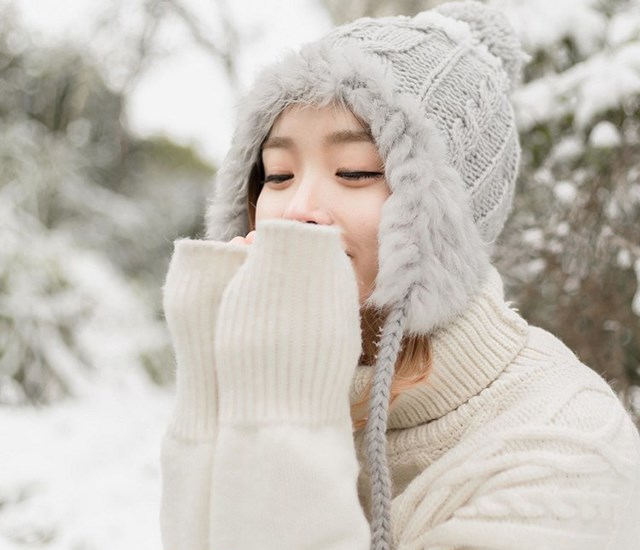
x=431, y=253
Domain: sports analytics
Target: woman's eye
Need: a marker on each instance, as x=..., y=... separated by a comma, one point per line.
x=277, y=178
x=359, y=175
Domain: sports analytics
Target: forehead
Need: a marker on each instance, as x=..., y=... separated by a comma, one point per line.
x=333, y=124
x=321, y=117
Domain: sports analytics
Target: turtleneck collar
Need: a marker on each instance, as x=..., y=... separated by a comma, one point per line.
x=468, y=354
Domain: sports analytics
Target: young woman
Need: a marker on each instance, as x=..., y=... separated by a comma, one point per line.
x=349, y=373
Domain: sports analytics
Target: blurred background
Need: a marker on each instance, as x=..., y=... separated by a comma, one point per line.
x=113, y=118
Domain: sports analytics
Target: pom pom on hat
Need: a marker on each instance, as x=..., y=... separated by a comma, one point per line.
x=492, y=29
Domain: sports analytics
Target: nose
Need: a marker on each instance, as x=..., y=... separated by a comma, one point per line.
x=307, y=204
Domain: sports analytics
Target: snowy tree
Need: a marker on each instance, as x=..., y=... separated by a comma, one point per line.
x=89, y=214
x=571, y=249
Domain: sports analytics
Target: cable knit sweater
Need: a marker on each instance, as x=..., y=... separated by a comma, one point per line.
x=513, y=444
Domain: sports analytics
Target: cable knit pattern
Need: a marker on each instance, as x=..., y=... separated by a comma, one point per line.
x=513, y=444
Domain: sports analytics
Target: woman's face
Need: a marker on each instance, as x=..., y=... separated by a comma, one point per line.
x=321, y=166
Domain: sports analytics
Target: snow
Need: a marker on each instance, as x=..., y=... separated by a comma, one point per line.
x=565, y=192
x=623, y=27
x=602, y=82
x=535, y=267
x=562, y=229
x=623, y=259
x=50, y=283
x=605, y=80
x=540, y=27
x=605, y=135
x=84, y=473
x=567, y=149
x=612, y=209
x=117, y=313
x=533, y=237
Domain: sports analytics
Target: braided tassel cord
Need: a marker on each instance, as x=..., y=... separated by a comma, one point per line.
x=375, y=434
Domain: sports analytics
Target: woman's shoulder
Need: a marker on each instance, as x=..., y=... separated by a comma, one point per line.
x=547, y=450
x=548, y=365
x=557, y=396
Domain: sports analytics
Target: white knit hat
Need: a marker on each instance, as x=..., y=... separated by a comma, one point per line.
x=434, y=90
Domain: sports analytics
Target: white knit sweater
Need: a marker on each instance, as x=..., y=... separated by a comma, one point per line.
x=513, y=444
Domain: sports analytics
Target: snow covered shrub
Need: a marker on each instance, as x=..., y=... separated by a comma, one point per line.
x=571, y=249
x=88, y=216
x=67, y=318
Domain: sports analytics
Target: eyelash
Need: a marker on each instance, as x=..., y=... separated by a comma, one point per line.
x=280, y=178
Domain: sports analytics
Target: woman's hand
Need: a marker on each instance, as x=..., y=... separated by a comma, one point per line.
x=244, y=240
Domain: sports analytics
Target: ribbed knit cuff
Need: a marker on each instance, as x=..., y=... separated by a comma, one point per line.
x=198, y=274
x=289, y=329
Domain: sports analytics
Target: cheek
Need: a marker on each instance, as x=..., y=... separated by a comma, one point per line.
x=267, y=206
x=365, y=216
x=363, y=226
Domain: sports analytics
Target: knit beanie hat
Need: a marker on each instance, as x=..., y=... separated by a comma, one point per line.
x=434, y=90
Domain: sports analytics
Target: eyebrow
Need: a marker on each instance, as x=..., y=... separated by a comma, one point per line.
x=342, y=136
x=349, y=136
